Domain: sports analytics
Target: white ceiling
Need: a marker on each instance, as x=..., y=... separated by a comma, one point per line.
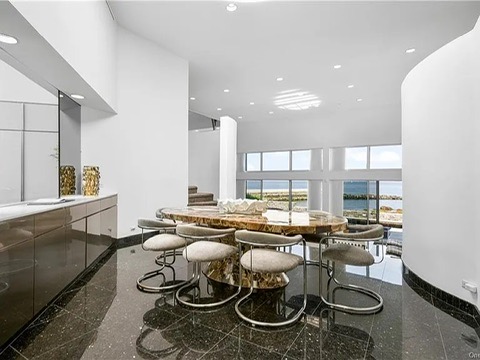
x=246, y=50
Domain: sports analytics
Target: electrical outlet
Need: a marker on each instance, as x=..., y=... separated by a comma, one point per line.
x=467, y=285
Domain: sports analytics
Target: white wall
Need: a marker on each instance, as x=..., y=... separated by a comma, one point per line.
x=228, y=158
x=371, y=126
x=440, y=115
x=204, y=160
x=14, y=86
x=143, y=151
x=83, y=33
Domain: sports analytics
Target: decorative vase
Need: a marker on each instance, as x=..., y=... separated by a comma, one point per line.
x=67, y=180
x=91, y=180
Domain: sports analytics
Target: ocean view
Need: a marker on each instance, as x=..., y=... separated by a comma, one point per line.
x=355, y=197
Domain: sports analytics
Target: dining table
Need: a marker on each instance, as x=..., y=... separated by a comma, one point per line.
x=311, y=224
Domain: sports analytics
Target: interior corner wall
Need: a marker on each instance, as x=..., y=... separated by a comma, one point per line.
x=440, y=112
x=143, y=151
x=204, y=160
x=83, y=33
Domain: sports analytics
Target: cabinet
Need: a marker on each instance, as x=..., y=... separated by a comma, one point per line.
x=41, y=254
x=16, y=276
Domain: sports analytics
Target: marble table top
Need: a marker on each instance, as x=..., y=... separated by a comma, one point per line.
x=273, y=221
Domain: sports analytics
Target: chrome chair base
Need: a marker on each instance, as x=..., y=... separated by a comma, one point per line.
x=166, y=286
x=194, y=282
x=347, y=308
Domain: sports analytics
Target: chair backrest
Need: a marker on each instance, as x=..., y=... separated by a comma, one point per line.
x=362, y=232
x=266, y=239
x=193, y=231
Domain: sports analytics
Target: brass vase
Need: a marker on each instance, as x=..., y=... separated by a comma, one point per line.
x=91, y=180
x=67, y=180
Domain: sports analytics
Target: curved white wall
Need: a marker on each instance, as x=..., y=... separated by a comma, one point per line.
x=441, y=166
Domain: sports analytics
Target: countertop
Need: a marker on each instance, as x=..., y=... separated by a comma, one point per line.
x=9, y=212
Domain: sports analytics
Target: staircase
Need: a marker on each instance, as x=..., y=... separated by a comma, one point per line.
x=196, y=198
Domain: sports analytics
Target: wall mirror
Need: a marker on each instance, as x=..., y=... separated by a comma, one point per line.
x=39, y=132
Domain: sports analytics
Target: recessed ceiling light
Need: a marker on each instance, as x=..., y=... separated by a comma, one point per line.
x=61, y=95
x=270, y=112
x=409, y=51
x=77, y=96
x=240, y=117
x=226, y=91
x=337, y=66
x=219, y=109
x=252, y=103
x=279, y=79
x=231, y=7
x=359, y=100
x=192, y=98
x=7, y=39
x=351, y=86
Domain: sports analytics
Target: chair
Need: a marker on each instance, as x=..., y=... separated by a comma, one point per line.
x=168, y=243
x=349, y=254
x=205, y=247
x=261, y=258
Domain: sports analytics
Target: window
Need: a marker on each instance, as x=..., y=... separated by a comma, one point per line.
x=254, y=189
x=253, y=162
x=362, y=203
x=386, y=157
x=276, y=161
x=355, y=158
x=301, y=160
x=299, y=195
x=277, y=194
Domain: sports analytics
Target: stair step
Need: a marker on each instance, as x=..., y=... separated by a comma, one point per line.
x=192, y=189
x=193, y=198
x=204, y=203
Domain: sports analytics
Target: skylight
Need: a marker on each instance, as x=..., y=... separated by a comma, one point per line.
x=296, y=100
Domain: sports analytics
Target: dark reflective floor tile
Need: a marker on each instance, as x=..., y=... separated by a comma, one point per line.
x=50, y=313
x=90, y=302
x=341, y=322
x=232, y=347
x=313, y=343
x=10, y=354
x=111, y=344
x=48, y=335
x=274, y=340
x=71, y=350
x=413, y=350
x=384, y=354
x=224, y=319
x=461, y=340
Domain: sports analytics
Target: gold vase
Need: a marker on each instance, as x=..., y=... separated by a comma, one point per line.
x=67, y=180
x=91, y=180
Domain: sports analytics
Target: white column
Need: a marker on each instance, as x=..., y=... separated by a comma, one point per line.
x=336, y=162
x=228, y=158
x=315, y=186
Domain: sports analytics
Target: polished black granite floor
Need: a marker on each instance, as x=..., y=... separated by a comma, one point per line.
x=104, y=316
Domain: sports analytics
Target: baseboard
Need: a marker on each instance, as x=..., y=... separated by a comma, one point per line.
x=134, y=239
x=413, y=279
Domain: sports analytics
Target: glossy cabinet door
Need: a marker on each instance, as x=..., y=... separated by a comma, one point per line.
x=50, y=258
x=75, y=244
x=109, y=226
x=94, y=238
x=16, y=276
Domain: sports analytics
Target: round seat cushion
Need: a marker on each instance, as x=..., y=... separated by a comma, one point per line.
x=200, y=251
x=348, y=254
x=270, y=261
x=155, y=223
x=164, y=242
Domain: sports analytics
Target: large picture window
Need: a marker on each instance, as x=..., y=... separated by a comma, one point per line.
x=276, y=161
